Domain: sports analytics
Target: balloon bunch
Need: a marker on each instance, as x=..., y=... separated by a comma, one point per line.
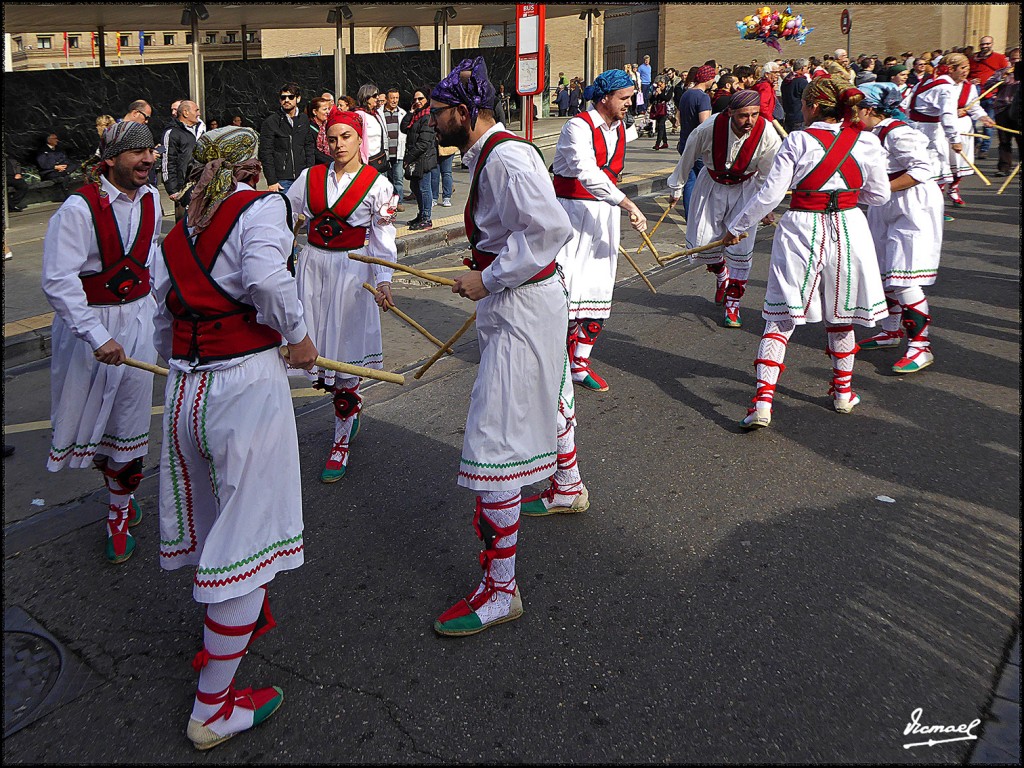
x=770, y=26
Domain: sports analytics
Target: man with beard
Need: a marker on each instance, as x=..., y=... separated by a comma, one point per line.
x=97, y=253
x=589, y=158
x=515, y=229
x=737, y=151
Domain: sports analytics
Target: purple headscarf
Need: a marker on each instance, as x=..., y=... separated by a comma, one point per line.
x=748, y=97
x=467, y=84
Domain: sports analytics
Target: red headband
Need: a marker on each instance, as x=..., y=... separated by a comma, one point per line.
x=338, y=117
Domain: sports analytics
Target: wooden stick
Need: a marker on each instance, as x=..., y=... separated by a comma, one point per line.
x=708, y=247
x=354, y=370
x=649, y=244
x=637, y=268
x=401, y=268
x=779, y=128
x=146, y=366
x=447, y=345
x=976, y=135
x=435, y=341
x=1007, y=130
x=644, y=245
x=986, y=93
x=976, y=170
x=1009, y=179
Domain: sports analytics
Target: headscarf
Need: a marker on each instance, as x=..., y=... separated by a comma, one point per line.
x=340, y=117
x=609, y=81
x=469, y=85
x=705, y=74
x=748, y=97
x=883, y=97
x=836, y=92
x=120, y=137
x=225, y=157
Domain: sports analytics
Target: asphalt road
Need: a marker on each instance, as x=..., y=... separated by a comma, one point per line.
x=728, y=597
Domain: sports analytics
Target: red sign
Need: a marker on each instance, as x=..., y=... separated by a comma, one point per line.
x=529, y=49
x=844, y=22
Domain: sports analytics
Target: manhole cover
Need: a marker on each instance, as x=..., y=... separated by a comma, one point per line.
x=31, y=669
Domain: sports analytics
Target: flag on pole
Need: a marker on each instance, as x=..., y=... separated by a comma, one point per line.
x=92, y=43
x=142, y=44
x=67, y=53
x=118, y=36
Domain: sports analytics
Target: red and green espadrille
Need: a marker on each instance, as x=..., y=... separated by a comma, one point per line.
x=263, y=702
x=134, y=512
x=462, y=618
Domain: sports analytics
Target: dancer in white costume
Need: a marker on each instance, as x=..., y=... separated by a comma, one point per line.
x=588, y=161
x=968, y=110
x=515, y=228
x=97, y=253
x=932, y=108
x=822, y=250
x=737, y=147
x=349, y=207
x=224, y=301
x=907, y=230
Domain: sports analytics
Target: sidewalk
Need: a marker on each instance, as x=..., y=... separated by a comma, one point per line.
x=27, y=315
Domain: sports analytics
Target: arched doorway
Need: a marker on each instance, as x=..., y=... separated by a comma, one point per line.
x=402, y=39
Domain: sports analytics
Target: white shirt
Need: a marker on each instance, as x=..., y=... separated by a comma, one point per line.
x=575, y=156
x=799, y=154
x=70, y=249
x=907, y=150
x=251, y=268
x=939, y=101
x=375, y=132
x=517, y=216
x=368, y=214
x=700, y=143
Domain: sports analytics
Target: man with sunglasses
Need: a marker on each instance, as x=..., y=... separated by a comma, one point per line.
x=286, y=143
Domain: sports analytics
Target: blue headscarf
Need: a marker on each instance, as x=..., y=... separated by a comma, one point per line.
x=884, y=97
x=467, y=84
x=609, y=81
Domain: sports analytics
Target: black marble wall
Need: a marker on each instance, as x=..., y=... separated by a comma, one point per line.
x=68, y=101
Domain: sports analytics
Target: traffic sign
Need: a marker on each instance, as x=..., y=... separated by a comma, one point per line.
x=845, y=25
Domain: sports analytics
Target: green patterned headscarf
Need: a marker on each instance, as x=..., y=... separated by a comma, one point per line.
x=224, y=157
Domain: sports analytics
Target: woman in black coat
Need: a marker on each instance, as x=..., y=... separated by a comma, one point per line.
x=420, y=156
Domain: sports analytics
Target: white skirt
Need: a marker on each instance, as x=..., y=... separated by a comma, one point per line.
x=712, y=206
x=964, y=125
x=511, y=429
x=230, y=495
x=938, y=149
x=342, y=317
x=589, y=259
x=907, y=233
x=98, y=409
x=830, y=257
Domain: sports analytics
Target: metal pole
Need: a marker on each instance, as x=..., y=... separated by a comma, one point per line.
x=340, y=62
x=446, y=49
x=588, y=50
x=351, y=36
x=245, y=44
x=196, y=86
x=101, y=38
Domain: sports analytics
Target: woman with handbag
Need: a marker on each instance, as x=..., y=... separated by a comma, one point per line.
x=374, y=149
x=659, y=111
x=420, y=157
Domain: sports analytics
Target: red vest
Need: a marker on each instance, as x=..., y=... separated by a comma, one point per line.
x=807, y=195
x=329, y=228
x=208, y=324
x=124, y=277
x=720, y=147
x=571, y=188
x=480, y=260
x=920, y=117
x=881, y=137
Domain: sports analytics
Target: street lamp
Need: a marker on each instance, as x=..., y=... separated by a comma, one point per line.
x=194, y=8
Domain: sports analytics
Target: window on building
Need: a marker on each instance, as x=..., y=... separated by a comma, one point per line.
x=250, y=37
x=211, y=38
x=168, y=39
x=126, y=40
x=492, y=36
x=72, y=41
x=147, y=40
x=18, y=46
x=402, y=39
x=188, y=38
x=230, y=37
x=614, y=56
x=44, y=42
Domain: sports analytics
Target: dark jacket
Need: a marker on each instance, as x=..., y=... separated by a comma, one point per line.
x=180, y=143
x=286, y=150
x=793, y=88
x=575, y=100
x=420, y=146
x=319, y=158
x=48, y=158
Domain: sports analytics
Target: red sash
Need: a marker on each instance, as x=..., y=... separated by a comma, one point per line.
x=920, y=117
x=881, y=137
x=571, y=188
x=329, y=228
x=209, y=324
x=807, y=195
x=480, y=260
x=124, y=277
x=965, y=94
x=720, y=146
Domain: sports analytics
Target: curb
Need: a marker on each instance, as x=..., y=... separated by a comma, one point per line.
x=412, y=249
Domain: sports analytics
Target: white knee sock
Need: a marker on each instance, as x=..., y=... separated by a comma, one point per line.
x=842, y=346
x=770, y=354
x=501, y=510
